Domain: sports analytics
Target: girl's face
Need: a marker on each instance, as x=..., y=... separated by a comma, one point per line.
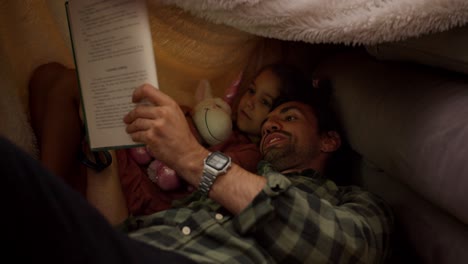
x=257, y=101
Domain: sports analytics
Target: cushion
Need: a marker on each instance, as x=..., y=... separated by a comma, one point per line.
x=410, y=121
x=15, y=127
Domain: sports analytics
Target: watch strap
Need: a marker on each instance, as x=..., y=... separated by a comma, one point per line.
x=210, y=174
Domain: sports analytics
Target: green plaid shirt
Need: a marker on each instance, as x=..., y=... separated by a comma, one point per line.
x=297, y=218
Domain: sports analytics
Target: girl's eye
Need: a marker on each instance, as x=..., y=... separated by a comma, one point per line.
x=290, y=118
x=251, y=90
x=267, y=103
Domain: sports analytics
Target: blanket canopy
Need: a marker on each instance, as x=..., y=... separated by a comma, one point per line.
x=332, y=21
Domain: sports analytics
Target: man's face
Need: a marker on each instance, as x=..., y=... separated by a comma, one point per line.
x=290, y=137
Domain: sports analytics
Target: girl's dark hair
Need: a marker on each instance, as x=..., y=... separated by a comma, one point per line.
x=296, y=86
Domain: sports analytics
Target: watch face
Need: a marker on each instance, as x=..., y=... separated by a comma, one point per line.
x=217, y=161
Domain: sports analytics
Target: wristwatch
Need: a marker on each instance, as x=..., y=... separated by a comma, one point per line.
x=215, y=164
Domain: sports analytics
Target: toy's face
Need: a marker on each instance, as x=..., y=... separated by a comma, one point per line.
x=213, y=104
x=257, y=102
x=212, y=117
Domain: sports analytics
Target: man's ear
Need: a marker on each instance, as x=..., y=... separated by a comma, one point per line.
x=330, y=141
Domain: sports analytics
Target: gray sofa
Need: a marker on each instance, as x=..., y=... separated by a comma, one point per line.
x=405, y=114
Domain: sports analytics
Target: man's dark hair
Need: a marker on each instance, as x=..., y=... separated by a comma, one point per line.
x=322, y=102
x=342, y=162
x=296, y=86
x=318, y=95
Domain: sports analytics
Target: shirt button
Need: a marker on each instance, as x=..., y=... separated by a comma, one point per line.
x=219, y=216
x=186, y=230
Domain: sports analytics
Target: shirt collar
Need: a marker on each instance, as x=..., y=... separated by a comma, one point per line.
x=306, y=173
x=264, y=166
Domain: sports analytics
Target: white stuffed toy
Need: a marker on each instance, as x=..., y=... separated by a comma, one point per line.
x=213, y=122
x=211, y=116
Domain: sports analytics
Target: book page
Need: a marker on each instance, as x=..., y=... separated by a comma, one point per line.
x=113, y=55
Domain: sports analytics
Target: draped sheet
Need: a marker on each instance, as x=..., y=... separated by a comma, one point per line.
x=333, y=21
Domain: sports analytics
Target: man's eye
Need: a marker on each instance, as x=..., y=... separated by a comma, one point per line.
x=251, y=90
x=290, y=118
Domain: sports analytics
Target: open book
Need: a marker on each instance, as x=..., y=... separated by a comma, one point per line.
x=113, y=53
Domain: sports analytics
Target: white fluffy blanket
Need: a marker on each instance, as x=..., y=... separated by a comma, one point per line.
x=333, y=21
x=33, y=32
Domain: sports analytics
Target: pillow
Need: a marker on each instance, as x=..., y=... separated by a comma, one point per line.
x=410, y=121
x=15, y=124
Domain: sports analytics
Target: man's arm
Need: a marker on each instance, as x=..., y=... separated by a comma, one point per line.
x=236, y=189
x=163, y=127
x=319, y=223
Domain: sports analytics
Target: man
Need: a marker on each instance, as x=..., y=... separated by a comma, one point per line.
x=289, y=213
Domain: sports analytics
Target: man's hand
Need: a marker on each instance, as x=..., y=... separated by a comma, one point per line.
x=158, y=122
